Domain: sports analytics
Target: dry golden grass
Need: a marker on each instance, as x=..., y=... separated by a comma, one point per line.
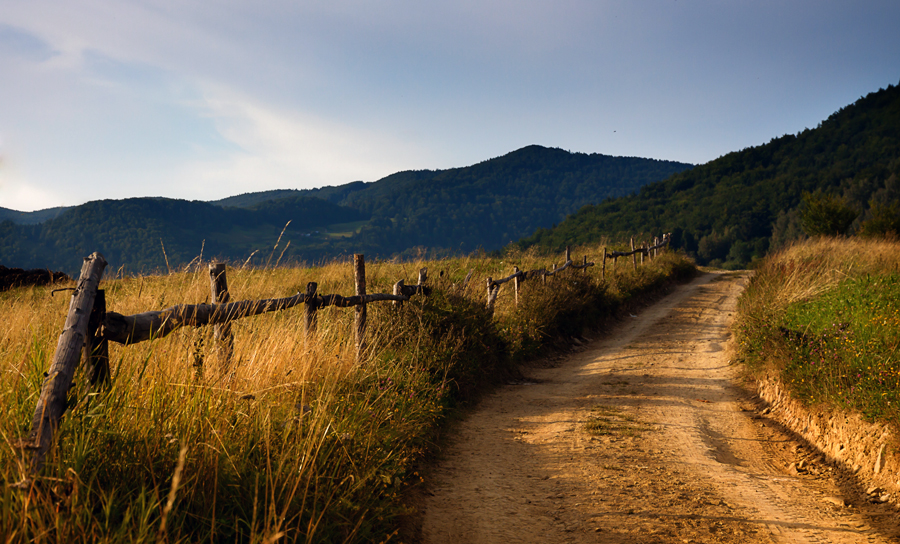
x=298, y=440
x=804, y=270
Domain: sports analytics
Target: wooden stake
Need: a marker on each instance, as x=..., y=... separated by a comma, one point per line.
x=96, y=347
x=52, y=401
x=516, y=284
x=359, y=267
x=492, y=292
x=398, y=290
x=224, y=339
x=310, y=308
x=633, y=255
x=603, y=273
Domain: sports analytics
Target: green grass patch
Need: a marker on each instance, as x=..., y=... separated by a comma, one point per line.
x=345, y=230
x=843, y=345
x=825, y=316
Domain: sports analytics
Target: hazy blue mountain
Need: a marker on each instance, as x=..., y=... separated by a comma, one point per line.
x=31, y=218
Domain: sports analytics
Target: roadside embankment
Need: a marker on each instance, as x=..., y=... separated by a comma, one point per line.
x=818, y=327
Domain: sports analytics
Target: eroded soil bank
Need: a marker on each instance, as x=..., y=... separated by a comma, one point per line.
x=645, y=436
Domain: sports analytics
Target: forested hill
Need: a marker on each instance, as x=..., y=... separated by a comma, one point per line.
x=495, y=202
x=150, y=234
x=31, y=218
x=485, y=205
x=731, y=210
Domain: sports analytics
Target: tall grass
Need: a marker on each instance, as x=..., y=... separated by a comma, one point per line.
x=300, y=442
x=825, y=316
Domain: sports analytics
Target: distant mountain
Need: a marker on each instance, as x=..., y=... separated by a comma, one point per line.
x=31, y=218
x=497, y=201
x=731, y=210
x=329, y=193
x=150, y=234
x=486, y=205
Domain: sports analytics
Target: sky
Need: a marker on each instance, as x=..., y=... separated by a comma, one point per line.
x=202, y=100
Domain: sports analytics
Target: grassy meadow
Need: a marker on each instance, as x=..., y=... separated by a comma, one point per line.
x=298, y=441
x=825, y=315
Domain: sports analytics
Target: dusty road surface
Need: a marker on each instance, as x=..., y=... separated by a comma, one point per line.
x=645, y=436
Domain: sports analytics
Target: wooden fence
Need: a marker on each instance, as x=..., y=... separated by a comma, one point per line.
x=89, y=327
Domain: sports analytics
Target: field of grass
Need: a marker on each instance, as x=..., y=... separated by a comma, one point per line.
x=301, y=442
x=825, y=315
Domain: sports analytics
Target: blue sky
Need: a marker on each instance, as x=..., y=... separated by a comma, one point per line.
x=202, y=100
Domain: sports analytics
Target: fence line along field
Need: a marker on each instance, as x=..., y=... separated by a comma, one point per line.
x=287, y=431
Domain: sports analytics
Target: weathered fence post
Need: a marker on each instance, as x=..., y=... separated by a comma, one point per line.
x=52, y=402
x=423, y=276
x=398, y=290
x=568, y=258
x=310, y=307
x=633, y=255
x=96, y=347
x=468, y=278
x=218, y=286
x=359, y=267
x=603, y=272
x=516, y=284
x=492, y=292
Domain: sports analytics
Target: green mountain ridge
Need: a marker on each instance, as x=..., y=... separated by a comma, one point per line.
x=732, y=210
x=32, y=218
x=456, y=210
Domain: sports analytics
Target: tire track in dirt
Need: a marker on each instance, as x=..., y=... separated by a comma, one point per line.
x=646, y=436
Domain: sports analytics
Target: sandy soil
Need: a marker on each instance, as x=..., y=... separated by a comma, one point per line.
x=645, y=436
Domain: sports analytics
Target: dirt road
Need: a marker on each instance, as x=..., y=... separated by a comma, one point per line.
x=646, y=436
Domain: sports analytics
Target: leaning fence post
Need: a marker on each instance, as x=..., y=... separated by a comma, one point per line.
x=52, y=401
x=310, y=307
x=96, y=347
x=218, y=285
x=359, y=267
x=492, y=292
x=584, y=264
